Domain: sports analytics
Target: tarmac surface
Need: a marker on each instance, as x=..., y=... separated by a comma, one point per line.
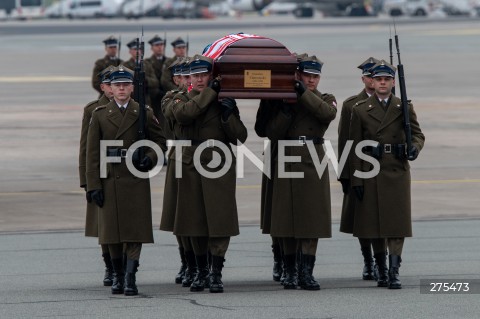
x=48, y=269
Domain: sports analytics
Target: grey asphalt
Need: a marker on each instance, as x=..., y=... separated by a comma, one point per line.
x=48, y=269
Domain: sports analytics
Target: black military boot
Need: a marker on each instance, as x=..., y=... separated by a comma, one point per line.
x=200, y=281
x=308, y=281
x=284, y=273
x=368, y=272
x=215, y=278
x=108, y=277
x=181, y=273
x=300, y=268
x=277, y=263
x=393, y=280
x=291, y=279
x=381, y=260
x=118, y=276
x=191, y=270
x=130, y=278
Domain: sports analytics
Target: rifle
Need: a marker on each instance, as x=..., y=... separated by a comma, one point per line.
x=139, y=94
x=188, y=44
x=391, y=53
x=403, y=96
x=118, y=51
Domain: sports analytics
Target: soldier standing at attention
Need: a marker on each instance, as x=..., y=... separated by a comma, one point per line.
x=300, y=209
x=152, y=87
x=157, y=60
x=180, y=51
x=346, y=223
x=206, y=207
x=111, y=48
x=91, y=222
x=125, y=210
x=383, y=206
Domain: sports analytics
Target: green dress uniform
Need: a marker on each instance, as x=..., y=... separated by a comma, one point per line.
x=301, y=206
x=91, y=221
x=166, y=81
x=385, y=210
x=152, y=87
x=100, y=65
x=206, y=207
x=348, y=206
x=126, y=215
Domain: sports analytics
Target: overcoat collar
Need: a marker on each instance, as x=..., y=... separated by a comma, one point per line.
x=122, y=122
x=374, y=109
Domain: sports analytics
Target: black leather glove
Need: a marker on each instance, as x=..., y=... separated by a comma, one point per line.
x=345, y=185
x=145, y=165
x=97, y=197
x=88, y=196
x=214, y=85
x=359, y=191
x=229, y=106
x=412, y=153
x=300, y=88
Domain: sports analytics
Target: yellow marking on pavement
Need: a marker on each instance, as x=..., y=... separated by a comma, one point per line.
x=43, y=79
x=257, y=186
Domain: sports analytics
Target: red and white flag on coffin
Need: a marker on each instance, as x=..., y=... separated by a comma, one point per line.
x=216, y=48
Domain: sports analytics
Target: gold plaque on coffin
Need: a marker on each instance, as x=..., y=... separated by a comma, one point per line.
x=257, y=79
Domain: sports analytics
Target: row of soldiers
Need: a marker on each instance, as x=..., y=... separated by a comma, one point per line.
x=201, y=211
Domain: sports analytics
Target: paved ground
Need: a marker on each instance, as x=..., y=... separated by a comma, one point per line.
x=49, y=269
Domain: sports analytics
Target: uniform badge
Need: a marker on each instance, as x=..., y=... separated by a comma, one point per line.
x=176, y=101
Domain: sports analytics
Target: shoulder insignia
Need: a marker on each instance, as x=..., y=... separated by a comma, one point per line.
x=176, y=101
x=91, y=103
x=351, y=98
x=99, y=108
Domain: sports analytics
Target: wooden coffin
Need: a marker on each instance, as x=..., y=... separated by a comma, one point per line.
x=256, y=68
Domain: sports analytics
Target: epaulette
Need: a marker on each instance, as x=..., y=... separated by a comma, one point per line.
x=99, y=108
x=353, y=97
x=360, y=102
x=91, y=103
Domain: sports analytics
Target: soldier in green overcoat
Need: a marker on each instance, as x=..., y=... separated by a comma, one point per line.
x=110, y=59
x=301, y=211
x=179, y=50
x=383, y=206
x=122, y=195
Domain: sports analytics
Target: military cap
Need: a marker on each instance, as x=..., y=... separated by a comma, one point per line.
x=175, y=66
x=309, y=64
x=133, y=44
x=201, y=64
x=185, y=66
x=156, y=40
x=104, y=75
x=382, y=68
x=121, y=74
x=178, y=43
x=367, y=64
x=111, y=41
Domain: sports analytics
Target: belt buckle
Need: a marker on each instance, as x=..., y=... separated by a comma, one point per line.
x=123, y=153
x=387, y=148
x=210, y=143
x=302, y=140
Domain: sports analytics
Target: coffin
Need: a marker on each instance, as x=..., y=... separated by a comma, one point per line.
x=256, y=68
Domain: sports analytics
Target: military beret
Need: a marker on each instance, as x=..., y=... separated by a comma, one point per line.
x=201, y=64
x=156, y=40
x=178, y=43
x=309, y=64
x=382, y=68
x=121, y=74
x=367, y=64
x=111, y=41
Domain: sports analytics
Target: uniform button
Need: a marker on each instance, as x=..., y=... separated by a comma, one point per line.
x=118, y=176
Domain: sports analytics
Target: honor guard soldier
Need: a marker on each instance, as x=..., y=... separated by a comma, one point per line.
x=152, y=86
x=188, y=268
x=206, y=208
x=91, y=222
x=300, y=207
x=111, y=48
x=346, y=223
x=158, y=58
x=383, y=205
x=123, y=199
x=179, y=50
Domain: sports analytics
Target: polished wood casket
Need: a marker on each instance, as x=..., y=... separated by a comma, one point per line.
x=256, y=68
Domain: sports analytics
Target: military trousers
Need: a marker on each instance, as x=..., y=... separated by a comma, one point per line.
x=308, y=246
x=131, y=250
x=395, y=245
x=216, y=245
